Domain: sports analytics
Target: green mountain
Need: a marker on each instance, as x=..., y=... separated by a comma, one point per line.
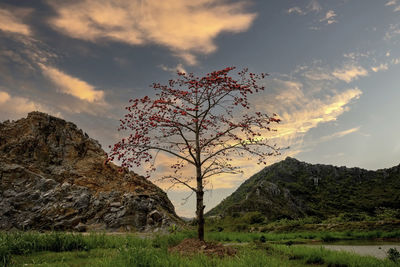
x=294, y=189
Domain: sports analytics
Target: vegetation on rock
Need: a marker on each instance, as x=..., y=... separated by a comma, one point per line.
x=292, y=189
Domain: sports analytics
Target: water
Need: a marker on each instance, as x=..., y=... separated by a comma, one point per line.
x=376, y=249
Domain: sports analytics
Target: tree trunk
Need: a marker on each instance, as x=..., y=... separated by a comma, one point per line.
x=200, y=205
x=199, y=178
x=200, y=215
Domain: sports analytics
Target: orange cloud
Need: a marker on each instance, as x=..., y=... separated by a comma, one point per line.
x=71, y=85
x=186, y=27
x=381, y=67
x=4, y=97
x=349, y=73
x=13, y=107
x=11, y=22
x=297, y=120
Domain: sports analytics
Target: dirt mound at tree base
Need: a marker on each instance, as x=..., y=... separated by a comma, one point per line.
x=192, y=246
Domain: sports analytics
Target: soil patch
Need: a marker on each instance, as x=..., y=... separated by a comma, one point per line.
x=192, y=246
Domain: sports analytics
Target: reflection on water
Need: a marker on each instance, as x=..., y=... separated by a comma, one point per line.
x=376, y=249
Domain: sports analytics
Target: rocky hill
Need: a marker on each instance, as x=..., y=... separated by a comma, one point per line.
x=294, y=189
x=53, y=176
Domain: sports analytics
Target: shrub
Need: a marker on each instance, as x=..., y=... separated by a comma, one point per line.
x=328, y=237
x=257, y=217
x=393, y=254
x=383, y=213
x=315, y=259
x=241, y=227
x=5, y=253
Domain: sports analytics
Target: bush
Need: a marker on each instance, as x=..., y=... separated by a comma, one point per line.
x=256, y=218
x=328, y=237
x=393, y=254
x=354, y=217
x=5, y=253
x=235, y=215
x=241, y=227
x=383, y=213
x=315, y=259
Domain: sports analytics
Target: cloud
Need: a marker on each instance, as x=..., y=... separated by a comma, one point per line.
x=4, y=97
x=356, y=56
x=175, y=69
x=339, y=134
x=381, y=67
x=329, y=17
x=11, y=21
x=71, y=85
x=391, y=3
x=349, y=73
x=393, y=31
x=23, y=58
x=14, y=107
x=305, y=113
x=318, y=74
x=296, y=10
x=313, y=6
x=185, y=27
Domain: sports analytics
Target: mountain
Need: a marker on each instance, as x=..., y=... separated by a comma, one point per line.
x=53, y=176
x=295, y=189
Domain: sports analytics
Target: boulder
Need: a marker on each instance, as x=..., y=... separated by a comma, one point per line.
x=53, y=176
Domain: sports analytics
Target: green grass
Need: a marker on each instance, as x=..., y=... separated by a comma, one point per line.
x=319, y=256
x=65, y=249
x=254, y=221
x=147, y=256
x=94, y=257
x=300, y=237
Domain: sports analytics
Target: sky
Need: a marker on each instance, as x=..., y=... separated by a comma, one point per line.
x=334, y=70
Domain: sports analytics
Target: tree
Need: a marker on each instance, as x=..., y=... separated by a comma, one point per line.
x=195, y=120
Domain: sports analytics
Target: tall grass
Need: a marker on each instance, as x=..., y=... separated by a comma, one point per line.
x=130, y=250
x=23, y=243
x=150, y=257
x=317, y=256
x=20, y=243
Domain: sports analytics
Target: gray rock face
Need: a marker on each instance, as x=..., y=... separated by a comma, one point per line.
x=53, y=176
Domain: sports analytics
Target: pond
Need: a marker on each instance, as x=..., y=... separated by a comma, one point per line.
x=366, y=248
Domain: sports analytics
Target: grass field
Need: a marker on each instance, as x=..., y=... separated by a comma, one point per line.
x=66, y=249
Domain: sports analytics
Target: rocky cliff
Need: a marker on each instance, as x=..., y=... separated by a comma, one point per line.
x=293, y=189
x=53, y=176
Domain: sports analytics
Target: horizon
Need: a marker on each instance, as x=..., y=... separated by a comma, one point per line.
x=333, y=70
